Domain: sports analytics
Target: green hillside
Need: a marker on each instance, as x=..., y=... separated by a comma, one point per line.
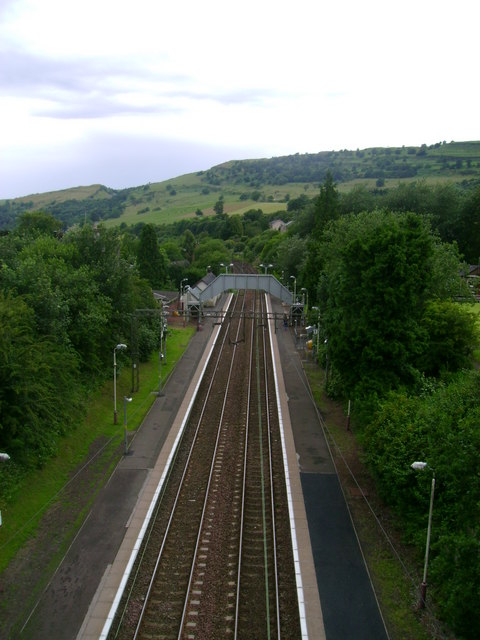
x=264, y=183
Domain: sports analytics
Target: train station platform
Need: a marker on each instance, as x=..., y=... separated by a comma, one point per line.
x=337, y=599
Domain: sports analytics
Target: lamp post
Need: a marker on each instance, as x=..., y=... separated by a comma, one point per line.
x=420, y=466
x=305, y=305
x=125, y=400
x=185, y=291
x=4, y=457
x=181, y=291
x=317, y=309
x=160, y=358
x=266, y=267
x=119, y=347
x=294, y=289
x=163, y=331
x=305, y=296
x=294, y=310
x=326, y=362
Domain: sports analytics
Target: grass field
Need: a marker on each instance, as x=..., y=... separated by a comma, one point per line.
x=41, y=488
x=167, y=202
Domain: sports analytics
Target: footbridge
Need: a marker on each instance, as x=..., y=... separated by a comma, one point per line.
x=228, y=281
x=197, y=299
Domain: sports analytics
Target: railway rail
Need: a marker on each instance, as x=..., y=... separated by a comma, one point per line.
x=217, y=561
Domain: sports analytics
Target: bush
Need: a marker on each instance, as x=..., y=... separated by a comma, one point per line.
x=441, y=428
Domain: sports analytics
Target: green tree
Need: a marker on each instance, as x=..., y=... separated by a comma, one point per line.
x=116, y=277
x=254, y=222
x=468, y=229
x=312, y=222
x=326, y=207
x=376, y=270
x=38, y=223
x=64, y=296
x=439, y=426
x=358, y=199
x=151, y=261
x=189, y=245
x=39, y=386
x=291, y=251
x=452, y=337
x=211, y=252
x=219, y=206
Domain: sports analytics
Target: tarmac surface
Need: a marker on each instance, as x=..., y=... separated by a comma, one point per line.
x=338, y=598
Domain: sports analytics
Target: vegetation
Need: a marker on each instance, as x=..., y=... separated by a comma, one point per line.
x=64, y=301
x=385, y=268
x=441, y=427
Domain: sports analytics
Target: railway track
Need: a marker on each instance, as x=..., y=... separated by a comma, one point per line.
x=217, y=561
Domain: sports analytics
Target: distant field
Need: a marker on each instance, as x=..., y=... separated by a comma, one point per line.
x=172, y=200
x=74, y=193
x=173, y=213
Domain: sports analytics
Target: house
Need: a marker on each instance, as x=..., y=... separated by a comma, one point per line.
x=279, y=225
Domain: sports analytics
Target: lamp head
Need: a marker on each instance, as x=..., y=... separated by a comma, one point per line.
x=419, y=466
x=121, y=346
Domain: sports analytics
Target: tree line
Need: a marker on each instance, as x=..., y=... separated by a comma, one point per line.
x=66, y=299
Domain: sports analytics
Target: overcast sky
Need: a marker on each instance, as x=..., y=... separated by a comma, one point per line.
x=124, y=93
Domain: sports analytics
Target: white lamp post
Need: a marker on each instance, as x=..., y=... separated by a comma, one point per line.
x=181, y=292
x=317, y=348
x=160, y=358
x=119, y=347
x=325, y=342
x=420, y=466
x=222, y=264
x=185, y=314
x=305, y=296
x=163, y=334
x=4, y=457
x=125, y=400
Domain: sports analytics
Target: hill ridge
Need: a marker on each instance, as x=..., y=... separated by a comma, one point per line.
x=245, y=183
